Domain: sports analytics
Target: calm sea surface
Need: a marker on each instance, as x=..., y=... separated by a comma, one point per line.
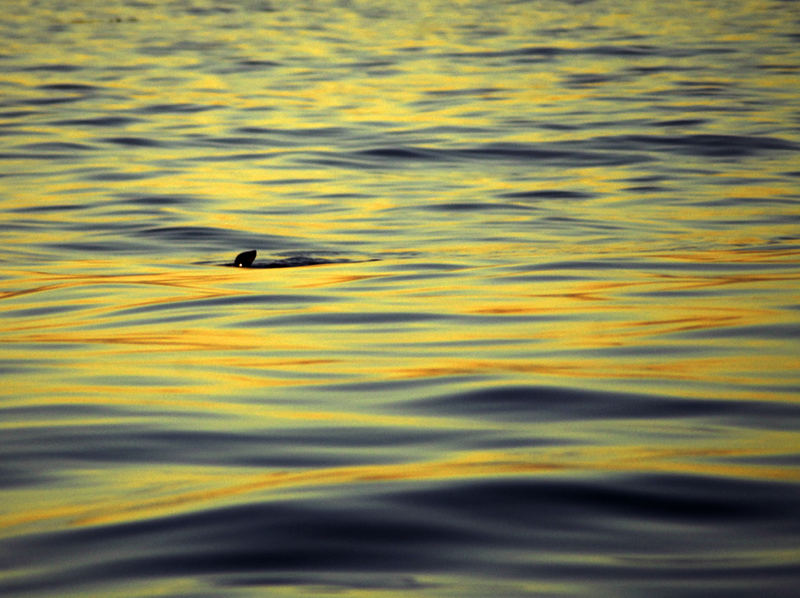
x=552, y=349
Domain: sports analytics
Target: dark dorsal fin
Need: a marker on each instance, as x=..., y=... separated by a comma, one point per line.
x=245, y=259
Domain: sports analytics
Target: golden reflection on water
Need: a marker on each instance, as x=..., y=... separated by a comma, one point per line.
x=162, y=339
x=574, y=323
x=130, y=493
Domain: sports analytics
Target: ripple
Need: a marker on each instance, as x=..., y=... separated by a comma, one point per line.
x=445, y=529
x=133, y=141
x=560, y=154
x=474, y=206
x=98, y=121
x=176, y=108
x=561, y=404
x=699, y=144
x=69, y=87
x=546, y=194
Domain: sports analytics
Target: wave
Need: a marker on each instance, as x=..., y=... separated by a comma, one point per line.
x=504, y=531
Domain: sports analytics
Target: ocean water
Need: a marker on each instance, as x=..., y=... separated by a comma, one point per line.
x=542, y=339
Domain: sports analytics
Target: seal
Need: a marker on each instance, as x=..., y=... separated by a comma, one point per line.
x=245, y=259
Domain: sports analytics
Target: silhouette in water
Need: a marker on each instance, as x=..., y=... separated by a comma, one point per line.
x=246, y=259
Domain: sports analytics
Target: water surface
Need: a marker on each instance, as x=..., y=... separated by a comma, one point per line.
x=550, y=348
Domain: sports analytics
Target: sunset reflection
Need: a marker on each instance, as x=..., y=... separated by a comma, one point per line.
x=523, y=311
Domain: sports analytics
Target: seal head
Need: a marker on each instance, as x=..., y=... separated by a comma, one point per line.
x=245, y=259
